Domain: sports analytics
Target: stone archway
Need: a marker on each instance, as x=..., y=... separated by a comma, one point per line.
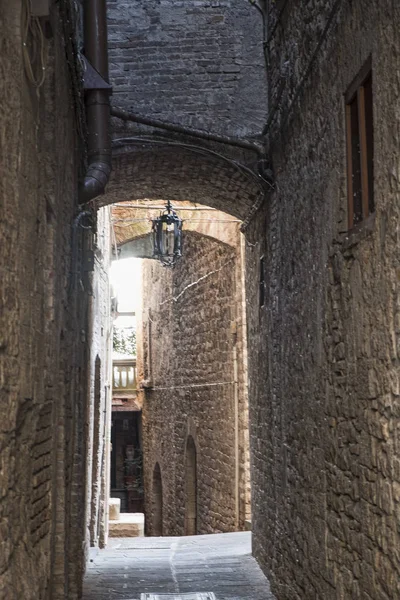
x=178, y=174
x=157, y=501
x=190, y=487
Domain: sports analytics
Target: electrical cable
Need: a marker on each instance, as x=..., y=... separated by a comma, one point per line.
x=200, y=280
x=256, y=177
x=190, y=386
x=324, y=34
x=148, y=220
x=37, y=48
x=175, y=128
x=277, y=22
x=305, y=75
x=154, y=207
x=264, y=27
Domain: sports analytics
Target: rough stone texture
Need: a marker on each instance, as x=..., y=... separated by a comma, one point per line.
x=195, y=64
x=324, y=382
x=44, y=310
x=190, y=315
x=199, y=63
x=98, y=415
x=132, y=221
x=177, y=174
x=127, y=525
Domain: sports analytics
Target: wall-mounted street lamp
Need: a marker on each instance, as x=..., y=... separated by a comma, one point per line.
x=167, y=237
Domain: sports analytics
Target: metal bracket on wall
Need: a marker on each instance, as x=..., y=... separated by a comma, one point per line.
x=92, y=80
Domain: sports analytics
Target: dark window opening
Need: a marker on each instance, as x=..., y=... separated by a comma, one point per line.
x=360, y=159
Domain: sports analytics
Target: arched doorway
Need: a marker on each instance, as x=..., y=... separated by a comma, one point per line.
x=190, y=488
x=157, y=512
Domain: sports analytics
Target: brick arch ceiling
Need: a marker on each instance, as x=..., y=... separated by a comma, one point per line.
x=178, y=174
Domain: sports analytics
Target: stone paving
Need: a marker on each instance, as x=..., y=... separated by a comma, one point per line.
x=222, y=564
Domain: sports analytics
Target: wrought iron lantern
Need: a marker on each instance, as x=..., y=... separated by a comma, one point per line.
x=167, y=237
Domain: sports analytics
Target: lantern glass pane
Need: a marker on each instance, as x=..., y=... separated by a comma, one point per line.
x=166, y=238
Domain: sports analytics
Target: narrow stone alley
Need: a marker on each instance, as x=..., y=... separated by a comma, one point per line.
x=174, y=567
x=246, y=152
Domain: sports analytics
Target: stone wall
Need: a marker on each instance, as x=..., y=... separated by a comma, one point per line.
x=198, y=65
x=188, y=63
x=193, y=325
x=324, y=382
x=44, y=310
x=98, y=416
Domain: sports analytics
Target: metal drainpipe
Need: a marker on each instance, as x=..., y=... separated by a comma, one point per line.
x=97, y=102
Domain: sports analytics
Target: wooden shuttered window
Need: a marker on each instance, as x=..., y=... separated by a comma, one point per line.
x=360, y=149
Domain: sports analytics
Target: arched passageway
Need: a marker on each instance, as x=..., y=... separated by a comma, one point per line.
x=179, y=174
x=157, y=513
x=190, y=488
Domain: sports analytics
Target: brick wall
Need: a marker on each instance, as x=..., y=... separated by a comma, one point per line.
x=199, y=65
x=191, y=393
x=324, y=381
x=189, y=62
x=44, y=305
x=98, y=416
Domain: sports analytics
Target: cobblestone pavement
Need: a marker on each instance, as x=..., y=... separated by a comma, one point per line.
x=220, y=563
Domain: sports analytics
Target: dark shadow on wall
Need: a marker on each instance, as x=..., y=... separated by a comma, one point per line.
x=157, y=529
x=191, y=488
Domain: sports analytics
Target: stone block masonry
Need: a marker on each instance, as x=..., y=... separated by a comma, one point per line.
x=324, y=379
x=187, y=62
x=44, y=311
x=189, y=430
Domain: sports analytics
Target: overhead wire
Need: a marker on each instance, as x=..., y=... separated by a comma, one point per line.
x=127, y=222
x=197, y=133
x=256, y=177
x=34, y=46
x=304, y=76
x=190, y=386
x=264, y=27
x=154, y=207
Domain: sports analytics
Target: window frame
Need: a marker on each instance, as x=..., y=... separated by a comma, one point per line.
x=356, y=90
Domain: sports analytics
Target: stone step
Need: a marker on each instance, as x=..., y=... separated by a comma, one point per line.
x=128, y=525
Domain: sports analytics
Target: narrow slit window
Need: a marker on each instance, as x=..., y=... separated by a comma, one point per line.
x=360, y=148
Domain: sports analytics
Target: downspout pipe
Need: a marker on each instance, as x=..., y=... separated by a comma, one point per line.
x=97, y=101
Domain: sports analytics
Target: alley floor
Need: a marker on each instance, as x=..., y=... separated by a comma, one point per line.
x=185, y=568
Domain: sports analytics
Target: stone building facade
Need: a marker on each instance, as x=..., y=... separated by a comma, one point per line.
x=322, y=297
x=97, y=436
x=188, y=63
x=324, y=381
x=195, y=412
x=46, y=308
